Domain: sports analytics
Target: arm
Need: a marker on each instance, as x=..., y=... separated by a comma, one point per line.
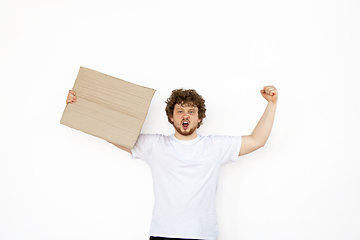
x=262, y=130
x=121, y=147
x=71, y=98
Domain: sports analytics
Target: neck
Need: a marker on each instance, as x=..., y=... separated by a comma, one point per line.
x=186, y=137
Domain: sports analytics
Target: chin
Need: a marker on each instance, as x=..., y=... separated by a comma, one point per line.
x=184, y=132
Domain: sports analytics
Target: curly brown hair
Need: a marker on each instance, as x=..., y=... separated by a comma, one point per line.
x=185, y=97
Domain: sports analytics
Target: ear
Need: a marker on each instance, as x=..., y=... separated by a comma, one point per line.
x=199, y=120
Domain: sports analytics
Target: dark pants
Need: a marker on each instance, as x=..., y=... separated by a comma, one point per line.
x=162, y=238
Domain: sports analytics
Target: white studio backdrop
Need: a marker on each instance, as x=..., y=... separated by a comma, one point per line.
x=61, y=184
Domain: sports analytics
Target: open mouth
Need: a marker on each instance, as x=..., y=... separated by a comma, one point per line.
x=185, y=125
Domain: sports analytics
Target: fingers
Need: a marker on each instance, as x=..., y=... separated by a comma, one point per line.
x=71, y=98
x=270, y=90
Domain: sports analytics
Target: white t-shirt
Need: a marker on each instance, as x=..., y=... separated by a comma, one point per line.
x=185, y=175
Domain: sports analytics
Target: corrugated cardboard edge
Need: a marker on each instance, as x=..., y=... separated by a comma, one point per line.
x=147, y=107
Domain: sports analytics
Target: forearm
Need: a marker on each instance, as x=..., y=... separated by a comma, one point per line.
x=262, y=130
x=121, y=147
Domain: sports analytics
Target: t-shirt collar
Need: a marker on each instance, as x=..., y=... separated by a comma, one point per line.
x=186, y=142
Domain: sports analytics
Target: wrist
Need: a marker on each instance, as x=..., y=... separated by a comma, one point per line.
x=274, y=104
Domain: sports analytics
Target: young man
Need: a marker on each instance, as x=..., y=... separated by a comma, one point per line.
x=185, y=166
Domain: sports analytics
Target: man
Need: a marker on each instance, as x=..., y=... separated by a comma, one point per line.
x=185, y=166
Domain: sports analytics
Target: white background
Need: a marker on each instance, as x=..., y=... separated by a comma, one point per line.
x=57, y=183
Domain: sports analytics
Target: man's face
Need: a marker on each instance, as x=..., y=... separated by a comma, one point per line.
x=185, y=119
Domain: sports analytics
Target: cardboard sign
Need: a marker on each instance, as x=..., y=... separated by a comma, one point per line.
x=108, y=107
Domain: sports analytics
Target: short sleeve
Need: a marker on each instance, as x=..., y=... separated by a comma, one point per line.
x=229, y=148
x=144, y=146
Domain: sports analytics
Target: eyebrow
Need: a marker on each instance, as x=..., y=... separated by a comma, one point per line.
x=179, y=107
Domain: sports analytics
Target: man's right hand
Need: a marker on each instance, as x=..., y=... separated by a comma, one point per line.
x=71, y=98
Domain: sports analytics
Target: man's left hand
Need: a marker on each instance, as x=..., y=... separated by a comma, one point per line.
x=270, y=93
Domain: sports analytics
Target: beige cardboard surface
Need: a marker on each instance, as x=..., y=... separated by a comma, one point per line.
x=108, y=107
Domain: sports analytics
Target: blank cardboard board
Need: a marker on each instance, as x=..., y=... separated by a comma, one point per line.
x=108, y=107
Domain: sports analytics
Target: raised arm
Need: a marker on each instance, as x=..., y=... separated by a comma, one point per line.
x=262, y=130
x=71, y=98
x=121, y=147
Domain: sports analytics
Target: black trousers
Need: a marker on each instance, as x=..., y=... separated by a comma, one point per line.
x=162, y=238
